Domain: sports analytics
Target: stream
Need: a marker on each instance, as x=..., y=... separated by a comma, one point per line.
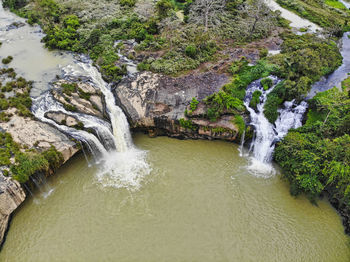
x=158, y=199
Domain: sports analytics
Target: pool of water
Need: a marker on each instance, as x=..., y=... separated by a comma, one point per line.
x=199, y=203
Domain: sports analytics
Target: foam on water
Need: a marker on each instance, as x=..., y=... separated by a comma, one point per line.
x=124, y=169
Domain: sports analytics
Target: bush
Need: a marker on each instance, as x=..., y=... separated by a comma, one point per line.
x=255, y=99
x=315, y=157
x=187, y=124
x=191, y=51
x=266, y=83
x=7, y=60
x=129, y=3
x=163, y=8
x=194, y=103
x=263, y=53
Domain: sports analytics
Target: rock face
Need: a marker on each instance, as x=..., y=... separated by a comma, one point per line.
x=11, y=196
x=33, y=133
x=91, y=104
x=157, y=103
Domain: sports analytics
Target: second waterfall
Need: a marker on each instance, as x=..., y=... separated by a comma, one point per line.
x=266, y=134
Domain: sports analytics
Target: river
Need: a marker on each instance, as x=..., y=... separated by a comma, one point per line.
x=197, y=200
x=199, y=203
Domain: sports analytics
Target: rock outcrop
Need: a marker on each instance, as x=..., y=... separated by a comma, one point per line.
x=29, y=133
x=156, y=103
x=42, y=136
x=11, y=196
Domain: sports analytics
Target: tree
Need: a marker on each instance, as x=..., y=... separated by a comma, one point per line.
x=163, y=8
x=256, y=12
x=206, y=12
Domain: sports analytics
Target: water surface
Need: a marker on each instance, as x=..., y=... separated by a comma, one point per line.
x=198, y=204
x=31, y=59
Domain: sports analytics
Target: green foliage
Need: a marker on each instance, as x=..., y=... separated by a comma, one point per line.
x=188, y=124
x=69, y=88
x=335, y=4
x=194, y=103
x=14, y=4
x=230, y=98
x=240, y=123
x=304, y=59
x=255, y=99
x=54, y=158
x=20, y=99
x=263, y=53
x=7, y=60
x=191, y=51
x=163, y=8
x=70, y=107
x=273, y=102
x=266, y=83
x=27, y=164
x=323, y=13
x=316, y=157
x=128, y=3
x=64, y=36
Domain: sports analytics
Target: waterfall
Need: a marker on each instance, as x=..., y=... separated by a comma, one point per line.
x=266, y=134
x=120, y=125
x=120, y=163
x=46, y=103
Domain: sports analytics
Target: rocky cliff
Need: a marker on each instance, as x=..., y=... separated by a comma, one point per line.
x=157, y=103
x=11, y=196
x=32, y=134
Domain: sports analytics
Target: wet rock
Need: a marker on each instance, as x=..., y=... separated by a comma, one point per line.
x=11, y=196
x=85, y=99
x=15, y=25
x=63, y=119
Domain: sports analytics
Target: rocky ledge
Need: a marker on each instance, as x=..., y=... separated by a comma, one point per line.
x=157, y=104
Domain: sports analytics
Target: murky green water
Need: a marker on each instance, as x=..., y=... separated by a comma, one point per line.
x=198, y=204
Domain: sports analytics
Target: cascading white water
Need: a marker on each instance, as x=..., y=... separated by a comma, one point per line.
x=266, y=134
x=127, y=165
x=46, y=103
x=120, y=163
x=120, y=126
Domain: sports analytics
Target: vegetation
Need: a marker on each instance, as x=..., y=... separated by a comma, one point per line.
x=255, y=99
x=327, y=13
x=316, y=157
x=304, y=59
x=7, y=60
x=26, y=163
x=187, y=124
x=15, y=93
x=178, y=42
x=230, y=98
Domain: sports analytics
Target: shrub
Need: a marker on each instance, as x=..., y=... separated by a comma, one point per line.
x=191, y=51
x=255, y=99
x=7, y=60
x=187, y=124
x=266, y=83
x=194, y=103
x=163, y=7
x=129, y=3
